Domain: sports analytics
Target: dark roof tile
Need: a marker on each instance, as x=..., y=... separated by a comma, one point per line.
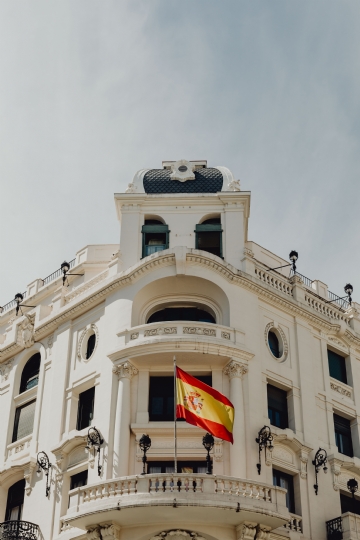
x=206, y=181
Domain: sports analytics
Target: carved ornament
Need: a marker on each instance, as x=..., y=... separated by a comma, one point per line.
x=25, y=331
x=199, y=331
x=177, y=535
x=338, y=388
x=182, y=170
x=235, y=369
x=234, y=185
x=246, y=531
x=126, y=370
x=5, y=369
x=225, y=335
x=283, y=341
x=161, y=330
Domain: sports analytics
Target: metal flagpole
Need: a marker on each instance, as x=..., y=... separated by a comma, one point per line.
x=175, y=403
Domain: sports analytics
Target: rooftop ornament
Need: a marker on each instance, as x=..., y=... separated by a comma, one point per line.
x=264, y=440
x=145, y=444
x=319, y=461
x=18, y=299
x=94, y=439
x=65, y=267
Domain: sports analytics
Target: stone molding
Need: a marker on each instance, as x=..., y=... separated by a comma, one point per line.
x=235, y=369
x=177, y=535
x=126, y=370
x=88, y=285
x=230, y=273
x=86, y=333
x=5, y=369
x=285, y=346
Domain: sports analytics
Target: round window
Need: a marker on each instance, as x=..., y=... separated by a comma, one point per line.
x=274, y=344
x=90, y=346
x=276, y=341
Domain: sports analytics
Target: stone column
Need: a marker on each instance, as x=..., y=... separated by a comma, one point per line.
x=125, y=373
x=235, y=371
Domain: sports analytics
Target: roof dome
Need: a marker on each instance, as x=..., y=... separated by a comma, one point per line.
x=205, y=181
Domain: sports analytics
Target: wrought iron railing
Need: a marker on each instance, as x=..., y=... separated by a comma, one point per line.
x=9, y=306
x=335, y=299
x=334, y=530
x=19, y=530
x=57, y=273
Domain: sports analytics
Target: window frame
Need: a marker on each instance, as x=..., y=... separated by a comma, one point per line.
x=78, y=417
x=203, y=228
x=18, y=410
x=290, y=494
x=342, y=365
x=339, y=436
x=284, y=414
x=8, y=508
x=155, y=229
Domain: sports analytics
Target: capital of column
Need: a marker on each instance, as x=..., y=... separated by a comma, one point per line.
x=126, y=370
x=235, y=369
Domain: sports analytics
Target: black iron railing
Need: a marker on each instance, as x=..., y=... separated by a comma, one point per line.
x=334, y=529
x=10, y=305
x=57, y=273
x=19, y=530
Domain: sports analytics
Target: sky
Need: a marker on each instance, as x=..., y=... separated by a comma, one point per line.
x=91, y=92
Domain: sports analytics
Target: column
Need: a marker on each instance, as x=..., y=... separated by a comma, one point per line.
x=125, y=373
x=235, y=371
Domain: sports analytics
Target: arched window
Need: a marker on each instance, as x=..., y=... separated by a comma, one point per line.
x=30, y=374
x=155, y=237
x=208, y=236
x=15, y=501
x=180, y=313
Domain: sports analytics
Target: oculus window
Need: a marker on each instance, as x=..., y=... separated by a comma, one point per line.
x=343, y=435
x=155, y=237
x=277, y=407
x=85, y=409
x=161, y=397
x=274, y=344
x=90, y=346
x=337, y=366
x=208, y=236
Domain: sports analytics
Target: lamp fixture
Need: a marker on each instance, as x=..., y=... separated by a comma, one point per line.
x=264, y=440
x=319, y=461
x=94, y=439
x=293, y=256
x=44, y=464
x=65, y=267
x=208, y=443
x=348, y=290
x=18, y=299
x=145, y=444
x=353, y=486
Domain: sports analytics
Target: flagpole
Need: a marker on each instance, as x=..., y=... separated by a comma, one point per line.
x=175, y=403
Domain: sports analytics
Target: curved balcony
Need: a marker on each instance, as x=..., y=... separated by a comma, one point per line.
x=19, y=530
x=189, y=336
x=167, y=498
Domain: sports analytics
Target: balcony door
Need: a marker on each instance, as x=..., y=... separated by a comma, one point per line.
x=15, y=501
x=183, y=467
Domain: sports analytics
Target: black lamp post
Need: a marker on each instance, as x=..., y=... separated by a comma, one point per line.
x=65, y=267
x=208, y=443
x=353, y=486
x=18, y=299
x=94, y=439
x=293, y=256
x=349, y=290
x=145, y=444
x=44, y=464
x=319, y=461
x=264, y=440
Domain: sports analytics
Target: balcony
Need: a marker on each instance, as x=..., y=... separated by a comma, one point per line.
x=19, y=530
x=132, y=500
x=346, y=527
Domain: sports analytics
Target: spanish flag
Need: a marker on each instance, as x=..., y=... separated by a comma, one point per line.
x=203, y=406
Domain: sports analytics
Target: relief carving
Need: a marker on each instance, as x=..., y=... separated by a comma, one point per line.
x=246, y=531
x=160, y=331
x=340, y=389
x=199, y=331
x=125, y=370
x=235, y=369
x=225, y=335
x=134, y=335
x=5, y=369
x=25, y=331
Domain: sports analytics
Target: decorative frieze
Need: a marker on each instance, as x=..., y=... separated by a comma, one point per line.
x=161, y=330
x=199, y=331
x=235, y=369
x=341, y=389
x=125, y=370
x=25, y=331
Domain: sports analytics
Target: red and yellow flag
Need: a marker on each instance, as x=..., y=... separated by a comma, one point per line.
x=203, y=406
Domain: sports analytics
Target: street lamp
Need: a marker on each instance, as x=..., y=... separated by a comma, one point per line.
x=208, y=443
x=349, y=290
x=65, y=267
x=94, y=439
x=353, y=486
x=319, y=461
x=144, y=443
x=293, y=256
x=44, y=464
x=18, y=299
x=264, y=440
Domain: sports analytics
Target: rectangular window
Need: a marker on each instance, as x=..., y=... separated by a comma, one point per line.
x=209, y=238
x=337, y=366
x=24, y=420
x=348, y=504
x=286, y=481
x=85, y=409
x=343, y=435
x=78, y=480
x=185, y=467
x=155, y=238
x=277, y=407
x=161, y=397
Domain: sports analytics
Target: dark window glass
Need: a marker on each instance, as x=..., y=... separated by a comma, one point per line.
x=85, y=409
x=277, y=407
x=348, y=504
x=155, y=237
x=30, y=374
x=343, y=435
x=209, y=236
x=274, y=344
x=90, y=345
x=187, y=467
x=15, y=501
x=24, y=421
x=181, y=314
x=161, y=397
x=78, y=480
x=337, y=367
x=286, y=481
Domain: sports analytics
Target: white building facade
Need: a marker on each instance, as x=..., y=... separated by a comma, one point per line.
x=93, y=347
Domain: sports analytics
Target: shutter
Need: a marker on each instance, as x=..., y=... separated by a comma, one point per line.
x=24, y=420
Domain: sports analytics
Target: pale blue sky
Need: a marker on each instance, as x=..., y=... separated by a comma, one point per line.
x=92, y=91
